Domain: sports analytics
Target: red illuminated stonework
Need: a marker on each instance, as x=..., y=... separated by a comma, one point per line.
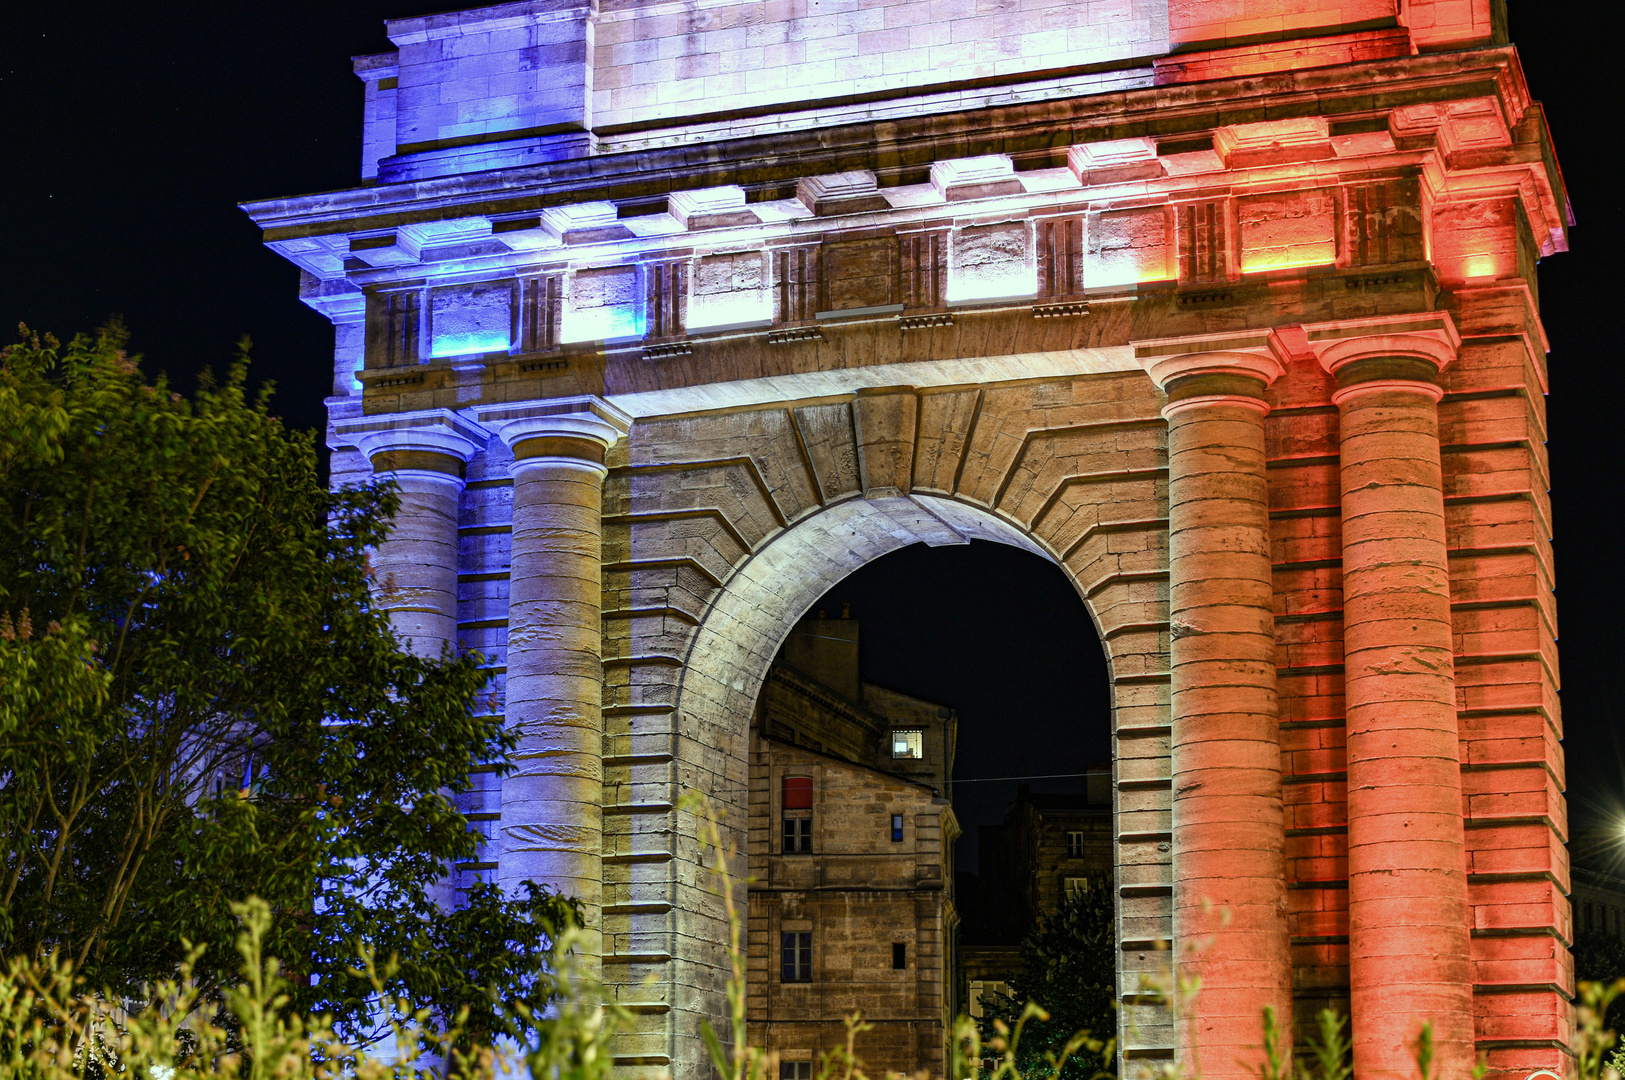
x=668, y=318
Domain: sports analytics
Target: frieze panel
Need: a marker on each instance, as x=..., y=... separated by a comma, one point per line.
x=859, y=274
x=1128, y=247
x=730, y=290
x=1287, y=229
x=1384, y=222
x=469, y=319
x=603, y=304
x=991, y=262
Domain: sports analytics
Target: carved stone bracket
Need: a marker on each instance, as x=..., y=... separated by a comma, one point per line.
x=794, y=334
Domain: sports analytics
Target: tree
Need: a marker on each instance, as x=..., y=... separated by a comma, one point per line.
x=1069, y=967
x=1600, y=957
x=199, y=703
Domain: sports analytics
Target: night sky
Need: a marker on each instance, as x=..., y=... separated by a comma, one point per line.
x=131, y=132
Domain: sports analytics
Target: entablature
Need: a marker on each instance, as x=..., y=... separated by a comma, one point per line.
x=1219, y=210
x=1441, y=102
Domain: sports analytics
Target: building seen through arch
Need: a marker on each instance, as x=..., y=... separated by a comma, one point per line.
x=667, y=318
x=850, y=853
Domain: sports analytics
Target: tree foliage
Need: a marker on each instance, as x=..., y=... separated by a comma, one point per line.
x=1069, y=967
x=199, y=703
x=1599, y=957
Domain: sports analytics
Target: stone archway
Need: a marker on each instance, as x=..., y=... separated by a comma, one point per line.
x=1239, y=329
x=749, y=619
x=752, y=512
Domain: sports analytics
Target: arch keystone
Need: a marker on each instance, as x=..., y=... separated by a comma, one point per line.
x=888, y=430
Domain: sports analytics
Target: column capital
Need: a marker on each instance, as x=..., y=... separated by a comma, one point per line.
x=1233, y=368
x=430, y=442
x=578, y=429
x=1402, y=352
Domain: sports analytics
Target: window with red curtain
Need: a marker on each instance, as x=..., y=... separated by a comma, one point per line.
x=798, y=793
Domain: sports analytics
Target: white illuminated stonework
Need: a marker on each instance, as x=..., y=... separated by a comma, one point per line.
x=667, y=317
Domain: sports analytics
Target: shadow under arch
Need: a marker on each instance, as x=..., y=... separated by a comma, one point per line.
x=765, y=597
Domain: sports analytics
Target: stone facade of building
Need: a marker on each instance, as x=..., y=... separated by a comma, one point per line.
x=1599, y=901
x=850, y=854
x=1597, y=866
x=666, y=318
x=1046, y=846
x=1044, y=841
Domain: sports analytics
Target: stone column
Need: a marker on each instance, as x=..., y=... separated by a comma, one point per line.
x=416, y=567
x=1229, y=865
x=552, y=830
x=1409, y=949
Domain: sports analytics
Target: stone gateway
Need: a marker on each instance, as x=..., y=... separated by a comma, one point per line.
x=667, y=316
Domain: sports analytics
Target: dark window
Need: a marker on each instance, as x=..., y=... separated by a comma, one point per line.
x=899, y=955
x=795, y=1070
x=1074, y=845
x=795, y=956
x=798, y=834
x=897, y=828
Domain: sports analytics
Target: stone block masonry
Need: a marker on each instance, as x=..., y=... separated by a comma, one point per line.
x=1229, y=310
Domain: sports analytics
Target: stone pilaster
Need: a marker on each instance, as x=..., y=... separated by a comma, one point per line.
x=1230, y=904
x=1409, y=948
x=416, y=567
x=552, y=801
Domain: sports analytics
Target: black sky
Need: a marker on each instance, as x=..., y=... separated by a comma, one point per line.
x=131, y=131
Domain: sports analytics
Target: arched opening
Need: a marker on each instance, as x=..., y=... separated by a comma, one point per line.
x=959, y=610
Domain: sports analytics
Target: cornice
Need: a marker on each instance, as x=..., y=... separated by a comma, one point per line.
x=914, y=143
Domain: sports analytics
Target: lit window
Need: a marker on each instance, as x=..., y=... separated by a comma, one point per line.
x=897, y=828
x=1075, y=886
x=981, y=992
x=795, y=1070
x=795, y=956
x=907, y=743
x=1074, y=845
